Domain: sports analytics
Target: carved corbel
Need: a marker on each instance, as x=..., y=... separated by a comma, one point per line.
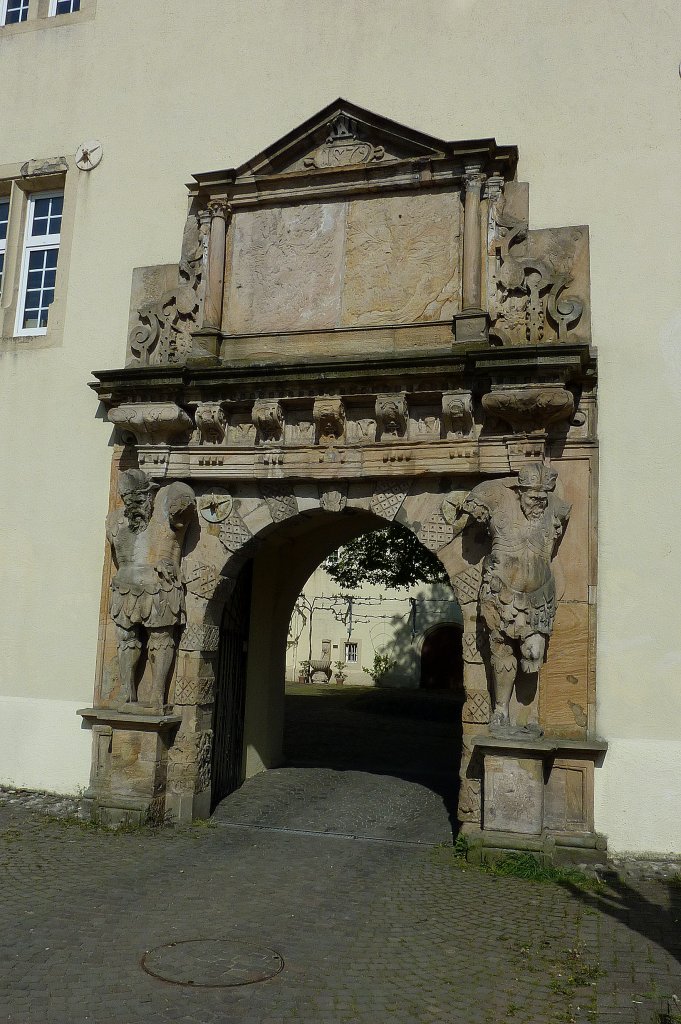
x=268, y=419
x=457, y=413
x=211, y=422
x=329, y=418
x=151, y=422
x=529, y=409
x=392, y=416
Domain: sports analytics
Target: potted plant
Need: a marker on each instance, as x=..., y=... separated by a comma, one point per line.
x=340, y=675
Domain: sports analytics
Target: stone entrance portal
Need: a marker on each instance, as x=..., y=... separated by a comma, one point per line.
x=362, y=329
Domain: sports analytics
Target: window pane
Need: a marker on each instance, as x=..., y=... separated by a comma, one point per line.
x=17, y=10
x=39, y=293
x=2, y=266
x=67, y=6
x=47, y=216
x=4, y=218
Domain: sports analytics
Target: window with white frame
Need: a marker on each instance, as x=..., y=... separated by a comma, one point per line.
x=13, y=11
x=4, y=221
x=351, y=653
x=39, y=262
x=63, y=7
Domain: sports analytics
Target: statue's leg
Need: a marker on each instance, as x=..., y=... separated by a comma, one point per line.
x=129, y=650
x=161, y=647
x=532, y=652
x=504, y=669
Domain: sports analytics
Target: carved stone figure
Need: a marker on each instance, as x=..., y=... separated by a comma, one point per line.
x=268, y=419
x=517, y=598
x=146, y=592
x=211, y=422
x=391, y=416
x=457, y=413
x=329, y=418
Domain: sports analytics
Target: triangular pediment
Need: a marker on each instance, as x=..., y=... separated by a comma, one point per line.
x=343, y=135
x=340, y=135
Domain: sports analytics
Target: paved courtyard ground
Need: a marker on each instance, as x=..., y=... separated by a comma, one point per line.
x=342, y=873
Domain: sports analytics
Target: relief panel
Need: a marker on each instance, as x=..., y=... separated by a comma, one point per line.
x=285, y=269
x=402, y=260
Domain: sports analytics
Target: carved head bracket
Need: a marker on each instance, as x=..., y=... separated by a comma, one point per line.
x=329, y=418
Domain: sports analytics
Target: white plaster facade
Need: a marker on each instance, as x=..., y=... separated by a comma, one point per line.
x=382, y=621
x=591, y=101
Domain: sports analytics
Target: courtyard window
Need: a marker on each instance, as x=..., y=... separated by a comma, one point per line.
x=351, y=653
x=4, y=220
x=13, y=11
x=39, y=262
x=63, y=7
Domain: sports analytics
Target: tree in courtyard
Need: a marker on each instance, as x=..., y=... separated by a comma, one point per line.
x=389, y=557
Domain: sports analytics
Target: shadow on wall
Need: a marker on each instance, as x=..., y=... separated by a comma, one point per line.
x=407, y=634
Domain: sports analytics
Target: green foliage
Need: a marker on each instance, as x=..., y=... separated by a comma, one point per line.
x=531, y=868
x=389, y=557
x=383, y=664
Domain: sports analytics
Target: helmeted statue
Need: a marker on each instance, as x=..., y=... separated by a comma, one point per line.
x=517, y=599
x=146, y=593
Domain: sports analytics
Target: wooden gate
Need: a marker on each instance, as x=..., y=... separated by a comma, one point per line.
x=230, y=699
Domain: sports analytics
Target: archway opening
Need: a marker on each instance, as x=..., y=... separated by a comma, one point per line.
x=333, y=701
x=442, y=659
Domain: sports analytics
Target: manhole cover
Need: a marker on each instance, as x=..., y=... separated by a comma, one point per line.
x=212, y=963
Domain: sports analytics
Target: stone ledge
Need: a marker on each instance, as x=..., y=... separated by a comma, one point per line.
x=541, y=745
x=130, y=719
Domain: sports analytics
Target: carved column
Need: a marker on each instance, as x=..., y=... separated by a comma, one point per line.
x=472, y=254
x=215, y=282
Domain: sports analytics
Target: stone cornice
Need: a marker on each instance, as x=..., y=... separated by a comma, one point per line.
x=474, y=366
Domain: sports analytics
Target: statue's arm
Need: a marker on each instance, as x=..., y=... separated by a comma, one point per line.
x=561, y=515
x=181, y=502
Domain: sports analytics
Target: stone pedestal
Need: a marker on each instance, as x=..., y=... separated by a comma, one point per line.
x=129, y=763
x=538, y=795
x=471, y=325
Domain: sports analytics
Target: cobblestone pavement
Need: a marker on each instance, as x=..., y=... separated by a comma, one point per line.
x=369, y=931
x=341, y=873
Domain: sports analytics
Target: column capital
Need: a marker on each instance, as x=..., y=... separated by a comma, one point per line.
x=219, y=208
x=494, y=186
x=473, y=179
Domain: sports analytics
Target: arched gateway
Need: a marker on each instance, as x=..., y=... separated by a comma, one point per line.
x=362, y=328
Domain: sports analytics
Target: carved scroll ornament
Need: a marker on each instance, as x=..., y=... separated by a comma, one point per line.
x=528, y=291
x=163, y=334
